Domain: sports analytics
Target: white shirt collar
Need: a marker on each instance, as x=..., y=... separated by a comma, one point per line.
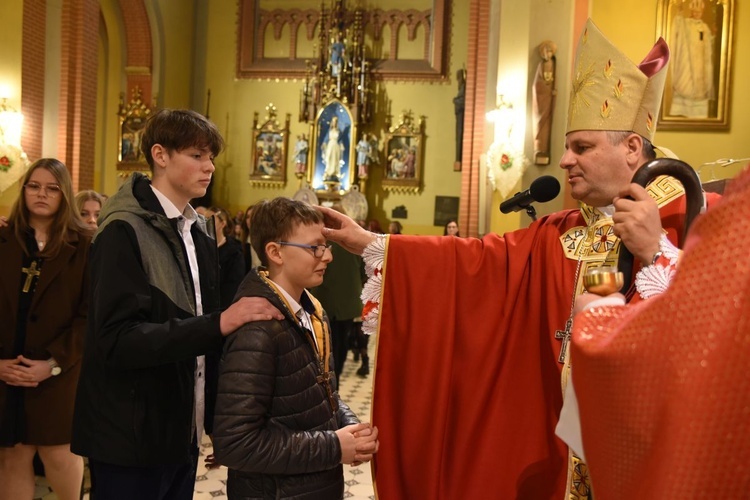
x=296, y=307
x=172, y=211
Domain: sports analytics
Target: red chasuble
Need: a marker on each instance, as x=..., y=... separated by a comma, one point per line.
x=663, y=387
x=467, y=383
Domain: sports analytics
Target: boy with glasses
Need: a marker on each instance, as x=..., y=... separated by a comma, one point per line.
x=280, y=426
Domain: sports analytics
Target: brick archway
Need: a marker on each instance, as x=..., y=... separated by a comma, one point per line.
x=78, y=77
x=139, y=48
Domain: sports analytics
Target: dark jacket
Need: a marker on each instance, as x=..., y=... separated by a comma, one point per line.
x=135, y=396
x=55, y=327
x=231, y=270
x=274, y=426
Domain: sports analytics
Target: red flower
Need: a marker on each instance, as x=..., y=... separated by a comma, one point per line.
x=504, y=159
x=5, y=161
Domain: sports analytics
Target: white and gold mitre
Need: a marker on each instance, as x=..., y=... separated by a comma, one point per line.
x=610, y=92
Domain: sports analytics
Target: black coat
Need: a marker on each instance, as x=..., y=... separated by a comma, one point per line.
x=135, y=397
x=274, y=426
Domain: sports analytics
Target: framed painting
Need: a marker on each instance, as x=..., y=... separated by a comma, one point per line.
x=446, y=209
x=404, y=151
x=333, y=154
x=132, y=119
x=270, y=142
x=699, y=34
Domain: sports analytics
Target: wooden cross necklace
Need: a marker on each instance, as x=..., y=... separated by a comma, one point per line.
x=31, y=272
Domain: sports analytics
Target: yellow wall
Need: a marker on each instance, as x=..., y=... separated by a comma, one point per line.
x=10, y=75
x=631, y=25
x=522, y=29
x=233, y=103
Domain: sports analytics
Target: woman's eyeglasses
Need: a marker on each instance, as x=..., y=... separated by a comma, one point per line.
x=52, y=190
x=317, y=250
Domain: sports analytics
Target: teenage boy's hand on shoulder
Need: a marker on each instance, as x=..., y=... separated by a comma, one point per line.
x=245, y=310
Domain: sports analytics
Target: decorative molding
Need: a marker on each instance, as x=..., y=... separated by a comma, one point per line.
x=255, y=23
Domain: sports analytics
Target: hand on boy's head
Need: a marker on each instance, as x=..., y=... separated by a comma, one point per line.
x=245, y=310
x=345, y=231
x=331, y=218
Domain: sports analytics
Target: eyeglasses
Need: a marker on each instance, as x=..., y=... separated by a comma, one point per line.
x=317, y=250
x=52, y=190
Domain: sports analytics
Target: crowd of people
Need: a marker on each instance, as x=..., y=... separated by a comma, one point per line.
x=136, y=325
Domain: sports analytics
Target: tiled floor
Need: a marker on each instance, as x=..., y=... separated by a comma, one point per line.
x=210, y=484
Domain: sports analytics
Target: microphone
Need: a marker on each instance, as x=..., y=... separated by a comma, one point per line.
x=543, y=189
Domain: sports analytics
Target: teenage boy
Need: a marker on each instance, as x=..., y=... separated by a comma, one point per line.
x=280, y=425
x=153, y=314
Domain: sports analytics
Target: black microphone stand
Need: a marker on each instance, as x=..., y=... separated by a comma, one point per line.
x=530, y=210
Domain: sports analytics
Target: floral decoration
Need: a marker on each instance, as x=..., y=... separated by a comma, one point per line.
x=13, y=165
x=506, y=164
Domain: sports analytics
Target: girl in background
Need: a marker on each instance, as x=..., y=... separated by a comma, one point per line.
x=89, y=204
x=43, y=303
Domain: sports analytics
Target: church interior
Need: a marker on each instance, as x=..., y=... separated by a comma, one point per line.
x=82, y=74
x=440, y=97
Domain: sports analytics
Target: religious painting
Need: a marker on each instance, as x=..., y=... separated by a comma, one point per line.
x=446, y=209
x=269, y=150
x=132, y=120
x=333, y=153
x=404, y=149
x=699, y=34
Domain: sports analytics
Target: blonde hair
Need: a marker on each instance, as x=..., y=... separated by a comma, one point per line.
x=88, y=195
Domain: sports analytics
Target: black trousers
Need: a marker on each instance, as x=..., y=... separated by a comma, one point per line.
x=159, y=482
x=340, y=332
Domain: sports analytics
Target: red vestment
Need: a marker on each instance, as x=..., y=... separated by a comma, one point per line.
x=467, y=387
x=662, y=386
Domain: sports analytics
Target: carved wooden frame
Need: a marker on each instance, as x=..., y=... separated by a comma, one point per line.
x=132, y=119
x=269, y=162
x=432, y=67
x=401, y=173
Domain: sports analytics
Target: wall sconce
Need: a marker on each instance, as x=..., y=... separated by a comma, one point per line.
x=13, y=161
x=503, y=117
x=11, y=124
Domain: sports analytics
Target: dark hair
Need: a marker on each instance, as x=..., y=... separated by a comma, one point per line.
x=67, y=218
x=445, y=229
x=274, y=220
x=397, y=225
x=244, y=228
x=374, y=226
x=616, y=137
x=226, y=219
x=179, y=129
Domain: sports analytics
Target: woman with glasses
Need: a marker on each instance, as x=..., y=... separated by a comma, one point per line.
x=43, y=297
